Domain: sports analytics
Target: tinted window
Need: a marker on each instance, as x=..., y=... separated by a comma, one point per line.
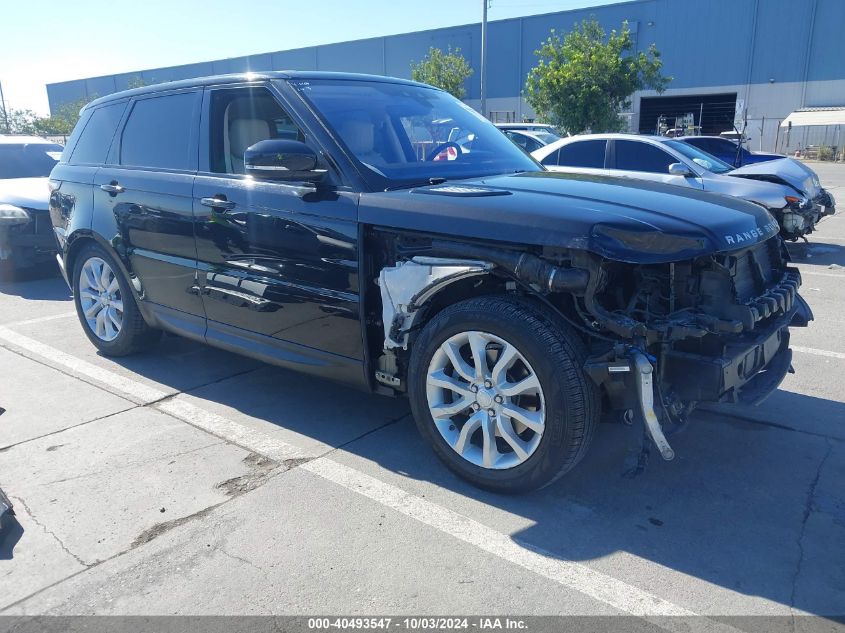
x=635, y=156
x=551, y=159
x=28, y=161
x=242, y=117
x=158, y=132
x=583, y=154
x=96, y=137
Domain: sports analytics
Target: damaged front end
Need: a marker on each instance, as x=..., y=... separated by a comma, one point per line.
x=714, y=328
x=663, y=336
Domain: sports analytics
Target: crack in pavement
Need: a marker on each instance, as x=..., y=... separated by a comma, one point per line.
x=133, y=464
x=809, y=508
x=50, y=533
x=139, y=541
x=67, y=428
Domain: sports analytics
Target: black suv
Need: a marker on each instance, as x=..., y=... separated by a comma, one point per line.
x=381, y=233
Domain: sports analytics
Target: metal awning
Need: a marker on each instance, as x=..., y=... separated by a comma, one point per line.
x=816, y=116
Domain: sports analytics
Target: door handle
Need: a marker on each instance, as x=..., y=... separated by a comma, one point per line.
x=113, y=188
x=217, y=203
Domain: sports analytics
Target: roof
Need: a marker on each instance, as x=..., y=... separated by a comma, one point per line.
x=816, y=116
x=214, y=80
x=14, y=139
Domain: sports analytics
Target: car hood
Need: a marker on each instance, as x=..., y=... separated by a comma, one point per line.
x=785, y=171
x=618, y=218
x=32, y=193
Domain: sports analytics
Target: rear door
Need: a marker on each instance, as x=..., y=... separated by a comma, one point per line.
x=143, y=200
x=586, y=157
x=278, y=261
x=646, y=161
x=71, y=198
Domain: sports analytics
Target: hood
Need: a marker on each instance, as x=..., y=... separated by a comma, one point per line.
x=32, y=193
x=618, y=218
x=787, y=171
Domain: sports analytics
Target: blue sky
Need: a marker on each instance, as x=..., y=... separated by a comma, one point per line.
x=55, y=40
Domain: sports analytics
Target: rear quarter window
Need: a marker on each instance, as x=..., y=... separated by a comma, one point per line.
x=96, y=136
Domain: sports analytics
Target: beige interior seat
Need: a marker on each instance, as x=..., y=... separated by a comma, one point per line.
x=359, y=136
x=239, y=133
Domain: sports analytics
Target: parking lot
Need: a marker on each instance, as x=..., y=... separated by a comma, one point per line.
x=188, y=480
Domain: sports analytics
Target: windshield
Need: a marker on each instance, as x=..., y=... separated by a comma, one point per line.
x=700, y=157
x=30, y=160
x=406, y=134
x=547, y=137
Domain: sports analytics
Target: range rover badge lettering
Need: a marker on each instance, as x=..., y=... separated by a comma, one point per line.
x=753, y=234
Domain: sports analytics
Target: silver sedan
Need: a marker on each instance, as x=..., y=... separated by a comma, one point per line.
x=674, y=162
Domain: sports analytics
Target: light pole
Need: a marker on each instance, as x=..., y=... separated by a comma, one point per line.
x=484, y=57
x=5, y=112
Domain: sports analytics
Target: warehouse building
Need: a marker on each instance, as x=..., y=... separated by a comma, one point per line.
x=752, y=60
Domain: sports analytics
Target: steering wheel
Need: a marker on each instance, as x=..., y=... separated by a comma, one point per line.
x=436, y=151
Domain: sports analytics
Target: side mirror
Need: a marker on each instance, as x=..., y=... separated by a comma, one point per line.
x=679, y=169
x=282, y=159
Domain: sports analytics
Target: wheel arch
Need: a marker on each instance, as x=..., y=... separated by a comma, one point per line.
x=82, y=238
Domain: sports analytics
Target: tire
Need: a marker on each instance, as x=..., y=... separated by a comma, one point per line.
x=133, y=334
x=563, y=409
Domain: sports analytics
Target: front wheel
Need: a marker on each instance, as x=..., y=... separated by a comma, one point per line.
x=497, y=387
x=106, y=306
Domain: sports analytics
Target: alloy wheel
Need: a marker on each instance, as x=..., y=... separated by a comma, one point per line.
x=485, y=400
x=100, y=299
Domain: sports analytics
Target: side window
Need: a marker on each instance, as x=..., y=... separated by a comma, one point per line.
x=636, y=156
x=551, y=159
x=158, y=132
x=241, y=117
x=96, y=137
x=583, y=154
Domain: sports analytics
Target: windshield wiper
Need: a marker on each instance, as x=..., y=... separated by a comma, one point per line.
x=422, y=183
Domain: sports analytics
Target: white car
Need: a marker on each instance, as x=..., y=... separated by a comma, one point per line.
x=675, y=162
x=26, y=233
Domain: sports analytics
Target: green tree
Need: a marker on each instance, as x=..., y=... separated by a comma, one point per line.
x=583, y=81
x=447, y=70
x=63, y=120
x=19, y=121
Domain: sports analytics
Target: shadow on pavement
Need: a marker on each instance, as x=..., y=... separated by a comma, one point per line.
x=817, y=253
x=11, y=532
x=41, y=283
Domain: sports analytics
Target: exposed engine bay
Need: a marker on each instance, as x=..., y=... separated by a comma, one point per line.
x=663, y=337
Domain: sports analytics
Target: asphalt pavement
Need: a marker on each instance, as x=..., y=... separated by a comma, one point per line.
x=190, y=481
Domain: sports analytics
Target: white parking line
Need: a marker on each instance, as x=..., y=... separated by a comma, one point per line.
x=817, y=352
x=597, y=585
x=54, y=317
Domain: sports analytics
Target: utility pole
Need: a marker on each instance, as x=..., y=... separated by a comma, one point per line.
x=484, y=57
x=5, y=112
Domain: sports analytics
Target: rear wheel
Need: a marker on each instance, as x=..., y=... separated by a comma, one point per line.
x=106, y=306
x=497, y=387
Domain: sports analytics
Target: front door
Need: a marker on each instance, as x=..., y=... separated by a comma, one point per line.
x=279, y=261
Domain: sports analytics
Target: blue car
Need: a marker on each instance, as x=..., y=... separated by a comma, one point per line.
x=728, y=151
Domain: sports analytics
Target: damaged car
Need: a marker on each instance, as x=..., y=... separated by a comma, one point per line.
x=26, y=235
x=305, y=219
x=788, y=190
